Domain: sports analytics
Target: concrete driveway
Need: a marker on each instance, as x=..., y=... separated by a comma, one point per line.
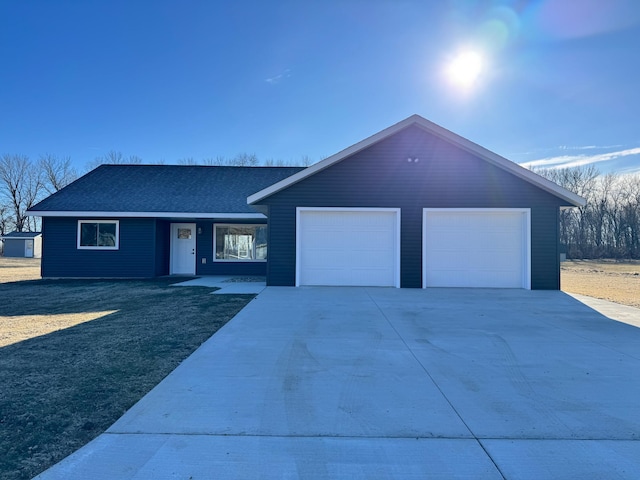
x=329, y=383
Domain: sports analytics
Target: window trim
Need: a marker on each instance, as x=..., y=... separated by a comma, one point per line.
x=237, y=260
x=86, y=247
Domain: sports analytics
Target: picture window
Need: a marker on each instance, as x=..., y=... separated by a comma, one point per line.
x=98, y=234
x=240, y=243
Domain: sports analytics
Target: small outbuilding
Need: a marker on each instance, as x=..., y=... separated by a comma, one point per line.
x=23, y=244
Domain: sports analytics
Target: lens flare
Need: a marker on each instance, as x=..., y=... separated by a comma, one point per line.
x=465, y=68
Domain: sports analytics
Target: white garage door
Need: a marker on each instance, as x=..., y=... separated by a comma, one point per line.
x=348, y=247
x=476, y=248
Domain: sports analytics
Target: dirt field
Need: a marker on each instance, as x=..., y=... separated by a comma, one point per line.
x=606, y=279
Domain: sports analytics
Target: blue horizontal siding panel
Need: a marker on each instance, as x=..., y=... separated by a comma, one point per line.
x=282, y=245
x=162, y=253
x=135, y=257
x=13, y=247
x=145, y=249
x=445, y=176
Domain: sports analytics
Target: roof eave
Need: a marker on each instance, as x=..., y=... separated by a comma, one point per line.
x=12, y=237
x=108, y=214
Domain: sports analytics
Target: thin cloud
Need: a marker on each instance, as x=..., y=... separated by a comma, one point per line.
x=631, y=171
x=540, y=151
x=588, y=147
x=278, y=78
x=569, y=161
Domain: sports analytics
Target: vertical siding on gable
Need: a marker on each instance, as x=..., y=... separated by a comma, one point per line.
x=444, y=176
x=134, y=258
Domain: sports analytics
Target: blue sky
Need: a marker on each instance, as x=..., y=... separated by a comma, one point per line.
x=167, y=80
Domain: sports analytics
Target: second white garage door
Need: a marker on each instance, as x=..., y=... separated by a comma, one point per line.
x=349, y=247
x=476, y=248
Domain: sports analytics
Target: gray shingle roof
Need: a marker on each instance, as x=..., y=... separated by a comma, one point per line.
x=21, y=235
x=164, y=188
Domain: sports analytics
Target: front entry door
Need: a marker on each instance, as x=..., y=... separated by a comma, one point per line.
x=183, y=249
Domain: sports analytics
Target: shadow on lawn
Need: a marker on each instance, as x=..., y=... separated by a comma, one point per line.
x=62, y=389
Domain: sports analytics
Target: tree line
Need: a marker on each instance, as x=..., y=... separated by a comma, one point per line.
x=24, y=181
x=608, y=226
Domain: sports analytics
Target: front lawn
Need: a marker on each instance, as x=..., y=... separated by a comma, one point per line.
x=76, y=354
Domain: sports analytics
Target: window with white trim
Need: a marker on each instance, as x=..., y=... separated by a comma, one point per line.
x=239, y=243
x=98, y=234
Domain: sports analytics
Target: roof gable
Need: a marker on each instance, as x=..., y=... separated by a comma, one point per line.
x=438, y=131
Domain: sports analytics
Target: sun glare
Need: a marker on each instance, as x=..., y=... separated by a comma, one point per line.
x=465, y=68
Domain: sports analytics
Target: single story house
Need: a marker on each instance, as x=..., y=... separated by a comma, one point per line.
x=414, y=205
x=22, y=244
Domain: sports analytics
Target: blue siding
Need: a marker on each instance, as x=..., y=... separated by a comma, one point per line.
x=145, y=247
x=282, y=245
x=162, y=239
x=134, y=258
x=13, y=247
x=444, y=177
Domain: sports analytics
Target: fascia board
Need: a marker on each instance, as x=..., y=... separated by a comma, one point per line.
x=103, y=214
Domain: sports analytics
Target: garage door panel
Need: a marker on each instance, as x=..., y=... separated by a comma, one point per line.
x=485, y=248
x=347, y=247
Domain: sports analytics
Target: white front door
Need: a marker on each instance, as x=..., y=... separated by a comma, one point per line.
x=28, y=248
x=183, y=249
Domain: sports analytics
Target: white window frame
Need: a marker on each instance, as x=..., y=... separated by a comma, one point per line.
x=96, y=247
x=236, y=260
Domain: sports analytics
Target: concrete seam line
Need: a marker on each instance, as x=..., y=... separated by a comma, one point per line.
x=436, y=384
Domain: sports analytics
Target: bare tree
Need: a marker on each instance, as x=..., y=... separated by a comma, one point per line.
x=213, y=161
x=187, y=161
x=21, y=187
x=608, y=226
x=244, y=160
x=630, y=217
x=57, y=172
x=114, y=157
x=4, y=219
x=305, y=161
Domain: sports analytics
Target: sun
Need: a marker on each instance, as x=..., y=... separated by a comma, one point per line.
x=465, y=69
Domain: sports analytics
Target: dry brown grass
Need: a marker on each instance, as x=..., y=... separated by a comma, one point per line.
x=22, y=327
x=616, y=281
x=19, y=269
x=76, y=354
